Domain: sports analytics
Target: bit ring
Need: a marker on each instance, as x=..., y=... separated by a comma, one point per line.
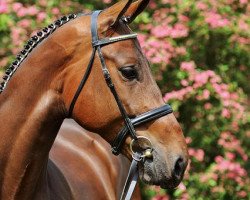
x=145, y=151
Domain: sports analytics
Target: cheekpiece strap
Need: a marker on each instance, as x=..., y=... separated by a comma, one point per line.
x=94, y=32
x=97, y=45
x=89, y=67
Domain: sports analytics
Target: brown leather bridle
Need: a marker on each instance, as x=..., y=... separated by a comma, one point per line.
x=129, y=124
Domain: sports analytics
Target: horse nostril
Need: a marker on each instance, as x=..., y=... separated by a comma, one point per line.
x=179, y=168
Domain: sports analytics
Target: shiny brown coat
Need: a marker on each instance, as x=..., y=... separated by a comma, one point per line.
x=37, y=97
x=88, y=165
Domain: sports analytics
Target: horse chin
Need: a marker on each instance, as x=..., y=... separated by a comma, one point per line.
x=155, y=173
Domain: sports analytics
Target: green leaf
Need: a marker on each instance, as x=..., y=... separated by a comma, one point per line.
x=4, y=19
x=143, y=18
x=212, y=182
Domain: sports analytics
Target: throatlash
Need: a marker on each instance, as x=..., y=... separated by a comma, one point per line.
x=31, y=44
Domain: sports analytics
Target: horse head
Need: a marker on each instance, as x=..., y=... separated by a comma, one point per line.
x=96, y=107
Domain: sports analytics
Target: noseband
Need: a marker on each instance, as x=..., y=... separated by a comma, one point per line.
x=129, y=124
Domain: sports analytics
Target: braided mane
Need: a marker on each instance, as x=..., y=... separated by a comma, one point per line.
x=31, y=44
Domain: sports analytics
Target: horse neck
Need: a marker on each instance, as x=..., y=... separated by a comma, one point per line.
x=31, y=112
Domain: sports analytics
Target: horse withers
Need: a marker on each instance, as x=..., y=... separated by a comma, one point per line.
x=92, y=69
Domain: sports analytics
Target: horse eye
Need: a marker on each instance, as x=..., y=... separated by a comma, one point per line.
x=129, y=73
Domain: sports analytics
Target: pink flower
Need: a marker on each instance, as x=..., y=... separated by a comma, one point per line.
x=41, y=16
x=205, y=177
x=225, y=94
x=184, y=82
x=181, y=51
x=3, y=6
x=157, y=51
x=188, y=140
x=197, y=154
x=152, y=5
x=206, y=94
x=230, y=155
x=32, y=10
x=200, y=155
x=208, y=106
x=43, y=2
x=235, y=126
x=218, y=159
x=201, y=78
x=226, y=113
x=24, y=23
x=215, y=20
x=55, y=11
x=160, y=197
x=242, y=194
x=21, y=12
x=183, y=18
x=185, y=196
x=16, y=6
x=188, y=66
x=234, y=96
x=15, y=35
x=179, y=31
x=182, y=187
x=215, y=79
x=3, y=63
x=243, y=25
x=161, y=31
x=107, y=1
x=201, y=6
x=156, y=59
x=217, y=88
x=223, y=165
x=241, y=40
x=243, y=1
x=166, y=1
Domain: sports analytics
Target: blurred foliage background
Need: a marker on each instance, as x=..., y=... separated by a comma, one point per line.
x=199, y=51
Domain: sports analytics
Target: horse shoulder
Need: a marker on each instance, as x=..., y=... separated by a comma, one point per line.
x=87, y=164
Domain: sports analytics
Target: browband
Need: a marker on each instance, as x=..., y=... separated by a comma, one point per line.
x=107, y=41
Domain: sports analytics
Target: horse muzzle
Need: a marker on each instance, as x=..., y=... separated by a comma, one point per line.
x=155, y=170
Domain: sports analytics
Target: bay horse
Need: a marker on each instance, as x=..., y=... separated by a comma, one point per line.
x=84, y=149
x=65, y=75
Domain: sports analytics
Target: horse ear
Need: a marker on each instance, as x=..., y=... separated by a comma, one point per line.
x=135, y=9
x=110, y=16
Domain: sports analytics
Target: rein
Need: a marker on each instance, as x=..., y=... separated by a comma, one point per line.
x=129, y=124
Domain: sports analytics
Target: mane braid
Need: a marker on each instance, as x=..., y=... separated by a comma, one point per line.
x=31, y=44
